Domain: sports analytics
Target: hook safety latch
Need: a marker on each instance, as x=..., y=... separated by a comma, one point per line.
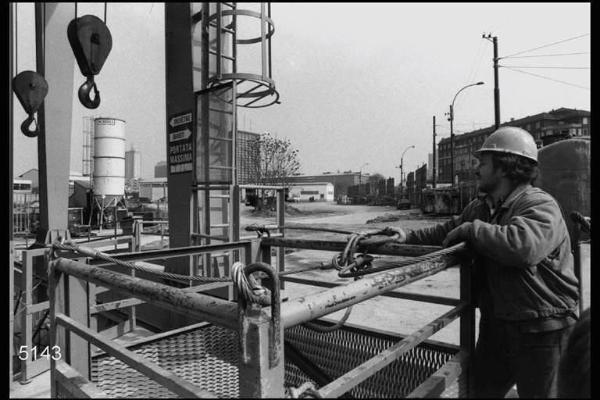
x=31, y=89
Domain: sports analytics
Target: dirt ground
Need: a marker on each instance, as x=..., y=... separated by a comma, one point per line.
x=396, y=315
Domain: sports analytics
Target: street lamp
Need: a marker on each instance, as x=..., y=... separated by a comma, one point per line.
x=402, y=167
x=451, y=119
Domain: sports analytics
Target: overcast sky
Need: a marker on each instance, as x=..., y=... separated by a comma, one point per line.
x=359, y=82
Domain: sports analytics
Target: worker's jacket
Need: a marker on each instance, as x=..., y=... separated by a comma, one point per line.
x=522, y=260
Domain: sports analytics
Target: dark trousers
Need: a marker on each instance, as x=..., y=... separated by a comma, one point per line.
x=505, y=356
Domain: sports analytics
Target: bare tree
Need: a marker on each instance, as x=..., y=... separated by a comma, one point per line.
x=277, y=161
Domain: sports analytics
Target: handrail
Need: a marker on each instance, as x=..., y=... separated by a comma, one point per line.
x=212, y=309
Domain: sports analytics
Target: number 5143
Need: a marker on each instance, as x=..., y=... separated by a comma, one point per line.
x=47, y=352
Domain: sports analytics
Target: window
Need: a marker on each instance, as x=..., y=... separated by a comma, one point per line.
x=537, y=124
x=584, y=120
x=309, y=192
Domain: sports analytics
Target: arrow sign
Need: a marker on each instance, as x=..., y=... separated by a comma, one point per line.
x=179, y=135
x=180, y=120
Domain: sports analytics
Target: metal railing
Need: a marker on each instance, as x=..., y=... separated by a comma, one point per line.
x=69, y=287
x=342, y=296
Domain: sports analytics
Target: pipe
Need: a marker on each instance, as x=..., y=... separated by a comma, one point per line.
x=303, y=309
x=205, y=308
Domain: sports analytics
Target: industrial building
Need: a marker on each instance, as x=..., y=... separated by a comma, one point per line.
x=546, y=128
x=340, y=181
x=160, y=169
x=317, y=191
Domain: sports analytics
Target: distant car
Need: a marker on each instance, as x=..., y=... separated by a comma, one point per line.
x=403, y=204
x=294, y=198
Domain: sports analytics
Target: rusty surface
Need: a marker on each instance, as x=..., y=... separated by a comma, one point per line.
x=203, y=307
x=305, y=309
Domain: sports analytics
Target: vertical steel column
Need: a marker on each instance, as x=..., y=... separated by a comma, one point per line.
x=179, y=99
x=54, y=115
x=467, y=331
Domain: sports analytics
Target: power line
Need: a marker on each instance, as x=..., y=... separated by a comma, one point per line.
x=550, y=55
x=531, y=66
x=546, y=45
x=548, y=78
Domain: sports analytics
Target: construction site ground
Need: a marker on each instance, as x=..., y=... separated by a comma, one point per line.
x=395, y=315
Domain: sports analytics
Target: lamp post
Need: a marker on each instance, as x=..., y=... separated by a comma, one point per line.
x=451, y=119
x=402, y=168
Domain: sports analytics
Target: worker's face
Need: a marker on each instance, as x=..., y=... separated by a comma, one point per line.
x=488, y=177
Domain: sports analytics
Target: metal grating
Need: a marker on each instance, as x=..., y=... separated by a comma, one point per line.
x=208, y=358
x=342, y=350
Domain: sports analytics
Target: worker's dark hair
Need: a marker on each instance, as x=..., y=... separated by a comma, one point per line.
x=574, y=374
x=518, y=169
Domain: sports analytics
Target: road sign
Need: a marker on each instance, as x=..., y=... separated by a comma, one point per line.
x=180, y=119
x=181, y=145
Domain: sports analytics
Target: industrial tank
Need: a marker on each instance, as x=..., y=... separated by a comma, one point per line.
x=565, y=173
x=109, y=157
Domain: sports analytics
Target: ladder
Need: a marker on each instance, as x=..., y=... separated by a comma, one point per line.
x=217, y=178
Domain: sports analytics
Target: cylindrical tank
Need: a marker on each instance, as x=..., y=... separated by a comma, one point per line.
x=109, y=157
x=565, y=173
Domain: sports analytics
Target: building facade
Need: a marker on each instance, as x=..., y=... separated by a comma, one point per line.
x=546, y=128
x=317, y=191
x=340, y=181
x=160, y=169
x=133, y=165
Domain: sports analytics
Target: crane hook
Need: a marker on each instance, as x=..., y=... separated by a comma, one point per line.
x=84, y=93
x=25, y=125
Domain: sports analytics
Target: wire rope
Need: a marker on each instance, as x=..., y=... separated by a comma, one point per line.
x=548, y=78
x=546, y=45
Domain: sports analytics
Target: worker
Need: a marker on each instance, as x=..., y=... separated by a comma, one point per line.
x=523, y=281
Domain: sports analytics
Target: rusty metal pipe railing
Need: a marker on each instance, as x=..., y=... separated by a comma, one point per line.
x=303, y=309
x=211, y=309
x=395, y=249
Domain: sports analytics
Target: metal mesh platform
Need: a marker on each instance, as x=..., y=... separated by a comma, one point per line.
x=208, y=358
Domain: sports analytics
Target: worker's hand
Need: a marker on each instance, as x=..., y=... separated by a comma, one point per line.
x=461, y=233
x=389, y=230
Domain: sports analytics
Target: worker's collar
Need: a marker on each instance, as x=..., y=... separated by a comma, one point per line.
x=506, y=201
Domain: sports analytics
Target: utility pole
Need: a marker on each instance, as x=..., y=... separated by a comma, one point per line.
x=434, y=153
x=494, y=40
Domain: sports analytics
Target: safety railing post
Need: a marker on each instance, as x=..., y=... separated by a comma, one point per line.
x=258, y=379
x=26, y=316
x=281, y=222
x=58, y=343
x=467, y=331
x=77, y=308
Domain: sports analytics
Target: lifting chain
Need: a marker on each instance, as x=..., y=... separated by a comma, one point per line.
x=95, y=254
